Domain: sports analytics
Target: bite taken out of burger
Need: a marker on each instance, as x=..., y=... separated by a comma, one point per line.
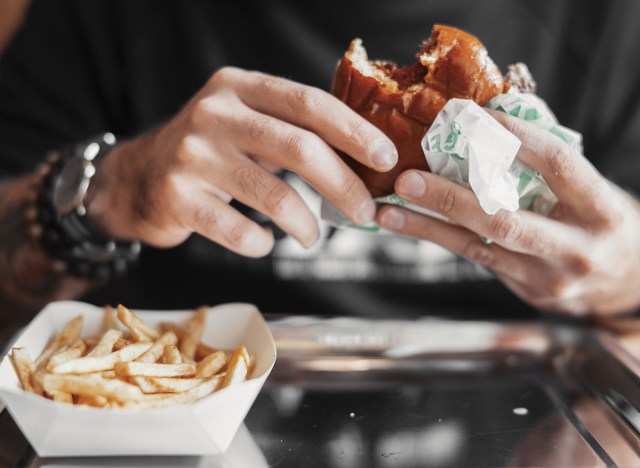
x=404, y=101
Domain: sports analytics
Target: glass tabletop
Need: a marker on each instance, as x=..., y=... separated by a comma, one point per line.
x=355, y=394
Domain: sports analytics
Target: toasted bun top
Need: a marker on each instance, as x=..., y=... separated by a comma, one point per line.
x=403, y=102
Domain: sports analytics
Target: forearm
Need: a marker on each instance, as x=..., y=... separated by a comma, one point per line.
x=29, y=277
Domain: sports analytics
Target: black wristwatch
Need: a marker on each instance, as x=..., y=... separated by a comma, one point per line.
x=67, y=233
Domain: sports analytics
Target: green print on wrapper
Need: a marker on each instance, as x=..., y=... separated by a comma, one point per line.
x=450, y=143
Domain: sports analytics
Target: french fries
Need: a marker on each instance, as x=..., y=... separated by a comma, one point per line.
x=24, y=367
x=212, y=364
x=188, y=396
x=238, y=367
x=92, y=400
x=202, y=349
x=126, y=369
x=195, y=328
x=105, y=345
x=172, y=354
x=139, y=368
x=137, y=335
x=89, y=385
x=108, y=319
x=157, y=350
x=131, y=320
x=165, y=384
x=69, y=333
x=86, y=365
x=72, y=352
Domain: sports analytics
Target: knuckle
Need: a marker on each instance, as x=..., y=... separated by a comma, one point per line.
x=279, y=199
x=505, y=227
x=207, y=220
x=186, y=151
x=352, y=189
x=356, y=132
x=585, y=266
x=267, y=85
x=446, y=201
x=511, y=124
x=559, y=161
x=171, y=187
x=157, y=195
x=223, y=75
x=616, y=216
x=480, y=253
x=250, y=180
x=304, y=148
x=260, y=128
x=239, y=234
x=558, y=289
x=612, y=218
x=276, y=198
x=574, y=308
x=307, y=99
x=201, y=114
x=582, y=265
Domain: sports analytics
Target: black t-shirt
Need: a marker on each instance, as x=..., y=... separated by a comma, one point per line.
x=78, y=68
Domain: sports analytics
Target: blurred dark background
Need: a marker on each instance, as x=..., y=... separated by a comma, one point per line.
x=77, y=68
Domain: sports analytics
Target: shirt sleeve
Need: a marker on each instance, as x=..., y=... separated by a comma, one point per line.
x=58, y=83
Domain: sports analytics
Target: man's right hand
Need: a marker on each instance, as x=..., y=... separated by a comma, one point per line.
x=225, y=144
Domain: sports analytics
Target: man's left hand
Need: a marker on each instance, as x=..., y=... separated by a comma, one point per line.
x=582, y=259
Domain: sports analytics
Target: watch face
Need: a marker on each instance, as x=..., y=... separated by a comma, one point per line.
x=71, y=186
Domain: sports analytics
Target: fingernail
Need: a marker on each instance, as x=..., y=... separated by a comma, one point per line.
x=392, y=219
x=411, y=185
x=366, y=212
x=310, y=243
x=383, y=154
x=256, y=245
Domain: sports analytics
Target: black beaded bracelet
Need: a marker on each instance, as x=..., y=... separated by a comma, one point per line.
x=87, y=252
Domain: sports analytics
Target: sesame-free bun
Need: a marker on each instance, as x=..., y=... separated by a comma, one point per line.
x=403, y=102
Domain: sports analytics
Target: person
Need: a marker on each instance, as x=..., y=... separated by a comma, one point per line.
x=11, y=16
x=217, y=106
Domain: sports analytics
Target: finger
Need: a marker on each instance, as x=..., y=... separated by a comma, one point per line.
x=544, y=298
x=254, y=186
x=323, y=114
x=306, y=154
x=525, y=275
x=522, y=231
x=458, y=240
x=523, y=290
x=573, y=179
x=213, y=218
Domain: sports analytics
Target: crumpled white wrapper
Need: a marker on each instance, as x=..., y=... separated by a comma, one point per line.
x=467, y=145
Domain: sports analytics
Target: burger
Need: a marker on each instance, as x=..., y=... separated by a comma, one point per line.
x=404, y=101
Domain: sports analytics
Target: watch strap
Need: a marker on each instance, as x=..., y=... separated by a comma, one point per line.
x=68, y=234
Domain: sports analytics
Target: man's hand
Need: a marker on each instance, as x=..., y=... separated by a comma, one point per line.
x=225, y=144
x=584, y=258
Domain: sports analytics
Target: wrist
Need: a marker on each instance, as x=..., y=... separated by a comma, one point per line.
x=107, y=201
